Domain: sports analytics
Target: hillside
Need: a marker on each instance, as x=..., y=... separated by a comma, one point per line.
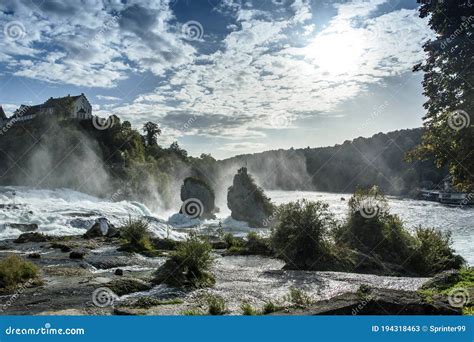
x=119, y=162
x=362, y=162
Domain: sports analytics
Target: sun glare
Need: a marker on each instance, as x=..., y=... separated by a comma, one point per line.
x=336, y=53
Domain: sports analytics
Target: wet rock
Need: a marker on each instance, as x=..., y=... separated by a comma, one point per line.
x=24, y=227
x=247, y=201
x=32, y=237
x=118, y=272
x=377, y=302
x=101, y=227
x=34, y=256
x=443, y=280
x=64, y=248
x=198, y=199
x=77, y=255
x=126, y=286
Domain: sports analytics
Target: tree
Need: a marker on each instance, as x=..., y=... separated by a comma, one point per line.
x=152, y=131
x=449, y=85
x=174, y=148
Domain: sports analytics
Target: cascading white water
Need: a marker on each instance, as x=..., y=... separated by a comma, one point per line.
x=68, y=212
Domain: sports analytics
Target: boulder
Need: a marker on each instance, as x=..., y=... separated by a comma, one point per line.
x=198, y=199
x=32, y=237
x=126, y=286
x=377, y=302
x=101, y=227
x=247, y=201
x=77, y=255
x=34, y=256
x=442, y=280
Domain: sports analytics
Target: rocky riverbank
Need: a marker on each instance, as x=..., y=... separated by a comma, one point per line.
x=92, y=276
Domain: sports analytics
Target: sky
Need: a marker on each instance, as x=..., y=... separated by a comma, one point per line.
x=224, y=77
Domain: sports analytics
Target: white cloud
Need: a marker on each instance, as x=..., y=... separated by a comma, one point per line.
x=91, y=43
x=263, y=72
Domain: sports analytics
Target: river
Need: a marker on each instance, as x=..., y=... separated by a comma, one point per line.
x=67, y=212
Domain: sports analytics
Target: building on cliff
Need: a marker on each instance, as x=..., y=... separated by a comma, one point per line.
x=68, y=107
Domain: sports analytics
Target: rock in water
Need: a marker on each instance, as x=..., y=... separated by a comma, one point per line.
x=101, y=227
x=198, y=199
x=24, y=227
x=247, y=201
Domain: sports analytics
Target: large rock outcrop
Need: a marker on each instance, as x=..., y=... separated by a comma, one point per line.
x=198, y=199
x=247, y=201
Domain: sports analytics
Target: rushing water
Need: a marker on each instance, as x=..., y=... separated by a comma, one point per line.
x=67, y=212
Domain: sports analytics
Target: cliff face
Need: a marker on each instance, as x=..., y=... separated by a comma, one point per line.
x=196, y=193
x=247, y=201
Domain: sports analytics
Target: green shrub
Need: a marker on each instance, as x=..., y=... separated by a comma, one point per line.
x=298, y=297
x=193, y=312
x=373, y=230
x=248, y=309
x=136, y=236
x=189, y=265
x=15, y=271
x=434, y=253
x=300, y=234
x=269, y=308
x=232, y=241
x=216, y=305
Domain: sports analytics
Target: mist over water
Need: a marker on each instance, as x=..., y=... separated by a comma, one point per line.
x=68, y=212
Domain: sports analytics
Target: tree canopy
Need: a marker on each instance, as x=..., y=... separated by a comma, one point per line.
x=449, y=86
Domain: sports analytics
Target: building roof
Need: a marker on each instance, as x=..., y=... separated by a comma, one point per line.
x=3, y=116
x=50, y=103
